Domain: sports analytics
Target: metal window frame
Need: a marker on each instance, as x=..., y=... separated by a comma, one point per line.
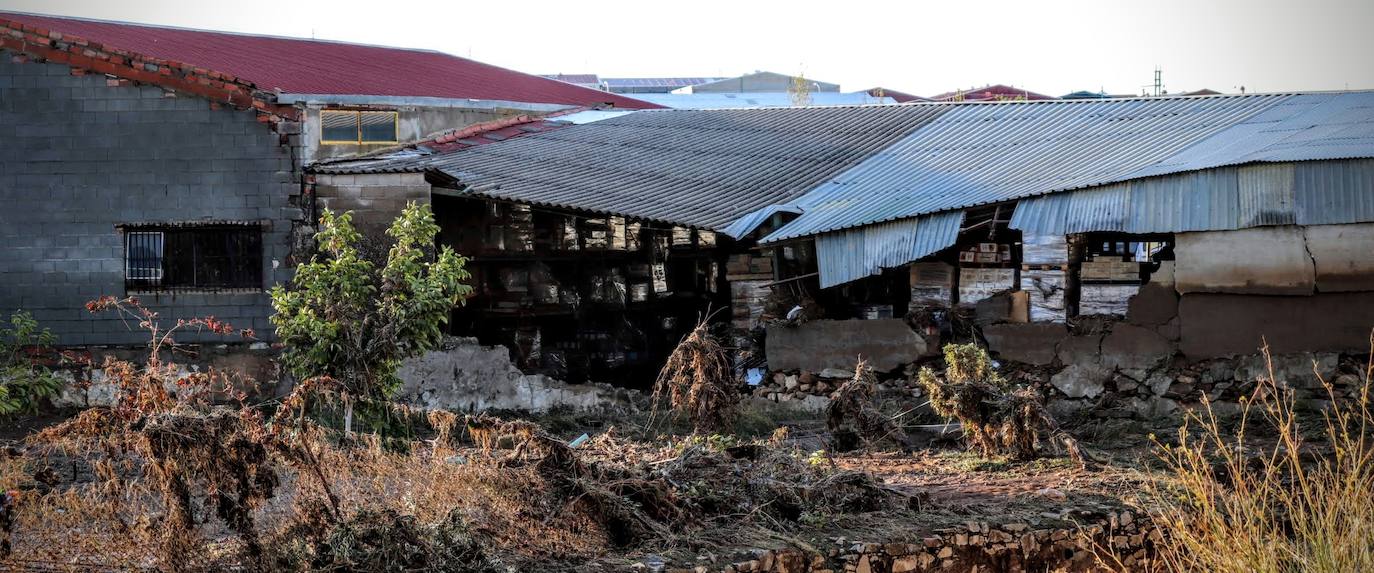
x=158, y=272
x=358, y=127
x=162, y=229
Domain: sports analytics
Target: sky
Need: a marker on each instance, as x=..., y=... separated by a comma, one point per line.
x=1047, y=46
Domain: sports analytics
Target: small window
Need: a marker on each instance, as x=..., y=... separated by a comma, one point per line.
x=357, y=127
x=210, y=257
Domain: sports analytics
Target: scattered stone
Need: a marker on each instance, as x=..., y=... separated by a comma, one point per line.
x=1081, y=380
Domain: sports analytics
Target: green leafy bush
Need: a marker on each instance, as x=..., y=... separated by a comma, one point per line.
x=24, y=382
x=345, y=320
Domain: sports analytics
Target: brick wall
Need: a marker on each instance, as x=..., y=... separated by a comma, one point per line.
x=83, y=153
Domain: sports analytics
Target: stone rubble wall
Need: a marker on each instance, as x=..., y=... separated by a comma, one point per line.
x=974, y=546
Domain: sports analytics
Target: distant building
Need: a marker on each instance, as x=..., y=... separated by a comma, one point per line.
x=761, y=82
x=996, y=92
x=760, y=99
x=584, y=80
x=651, y=85
x=1085, y=94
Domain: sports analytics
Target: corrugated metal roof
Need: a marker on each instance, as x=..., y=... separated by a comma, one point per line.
x=1226, y=198
x=702, y=169
x=746, y=224
x=757, y=99
x=655, y=82
x=987, y=153
x=853, y=254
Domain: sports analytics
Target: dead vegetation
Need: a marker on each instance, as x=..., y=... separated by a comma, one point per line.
x=697, y=381
x=1284, y=490
x=998, y=417
x=852, y=412
x=169, y=479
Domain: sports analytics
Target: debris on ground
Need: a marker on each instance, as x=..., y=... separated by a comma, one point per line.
x=998, y=417
x=697, y=381
x=852, y=412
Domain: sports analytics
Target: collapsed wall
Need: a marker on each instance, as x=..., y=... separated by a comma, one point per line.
x=467, y=376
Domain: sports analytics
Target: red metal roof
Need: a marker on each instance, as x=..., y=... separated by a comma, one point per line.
x=991, y=93
x=302, y=66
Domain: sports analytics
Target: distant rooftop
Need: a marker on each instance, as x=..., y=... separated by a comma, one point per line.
x=652, y=85
x=995, y=92
x=759, y=99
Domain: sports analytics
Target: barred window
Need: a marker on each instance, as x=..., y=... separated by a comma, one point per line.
x=204, y=257
x=357, y=127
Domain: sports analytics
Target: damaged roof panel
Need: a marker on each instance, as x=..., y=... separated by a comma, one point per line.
x=698, y=168
x=986, y=153
x=856, y=253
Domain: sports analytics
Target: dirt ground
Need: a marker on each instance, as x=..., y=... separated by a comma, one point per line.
x=941, y=485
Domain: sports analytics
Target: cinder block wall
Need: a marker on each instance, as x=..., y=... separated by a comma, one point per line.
x=375, y=199
x=80, y=154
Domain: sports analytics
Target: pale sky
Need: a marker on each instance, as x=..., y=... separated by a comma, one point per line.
x=1048, y=46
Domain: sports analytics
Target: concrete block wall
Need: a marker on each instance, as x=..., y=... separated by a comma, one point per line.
x=83, y=154
x=375, y=199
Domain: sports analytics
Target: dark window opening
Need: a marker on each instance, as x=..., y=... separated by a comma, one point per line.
x=218, y=257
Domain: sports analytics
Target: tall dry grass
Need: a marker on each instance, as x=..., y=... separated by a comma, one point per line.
x=1284, y=490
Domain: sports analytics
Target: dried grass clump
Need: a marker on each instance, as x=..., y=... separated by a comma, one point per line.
x=1297, y=498
x=853, y=402
x=697, y=381
x=756, y=481
x=997, y=416
x=384, y=540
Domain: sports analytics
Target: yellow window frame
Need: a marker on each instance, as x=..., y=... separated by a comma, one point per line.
x=358, y=127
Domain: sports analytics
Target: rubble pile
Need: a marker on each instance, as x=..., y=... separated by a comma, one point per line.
x=1051, y=544
x=807, y=387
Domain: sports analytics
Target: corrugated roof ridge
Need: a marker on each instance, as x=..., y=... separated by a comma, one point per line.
x=1005, y=102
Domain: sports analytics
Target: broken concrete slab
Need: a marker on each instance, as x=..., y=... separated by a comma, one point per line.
x=1080, y=349
x=1135, y=348
x=463, y=375
x=886, y=344
x=1082, y=380
x=1154, y=305
x=1026, y=343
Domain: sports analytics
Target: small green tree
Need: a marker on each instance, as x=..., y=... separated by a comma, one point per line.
x=24, y=383
x=344, y=319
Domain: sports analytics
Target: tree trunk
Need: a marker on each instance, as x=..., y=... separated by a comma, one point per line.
x=348, y=418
